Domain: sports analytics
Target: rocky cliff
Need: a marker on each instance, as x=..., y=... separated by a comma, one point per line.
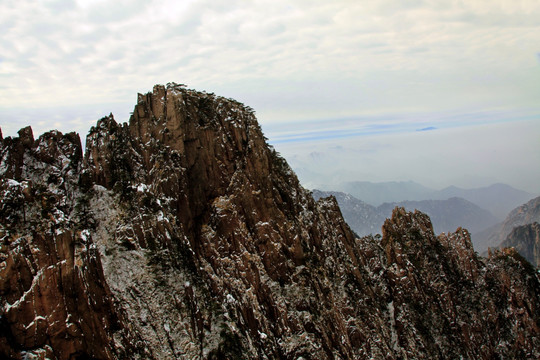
x=182, y=234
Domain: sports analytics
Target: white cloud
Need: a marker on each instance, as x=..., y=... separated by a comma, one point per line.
x=130, y=45
x=290, y=60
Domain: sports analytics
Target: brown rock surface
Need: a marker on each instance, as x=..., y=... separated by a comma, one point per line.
x=55, y=300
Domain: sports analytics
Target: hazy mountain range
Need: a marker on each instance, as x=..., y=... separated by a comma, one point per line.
x=499, y=199
x=446, y=215
x=518, y=230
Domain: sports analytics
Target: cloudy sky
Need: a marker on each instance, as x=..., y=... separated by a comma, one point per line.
x=437, y=91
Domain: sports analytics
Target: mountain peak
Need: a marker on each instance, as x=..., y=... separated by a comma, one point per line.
x=183, y=234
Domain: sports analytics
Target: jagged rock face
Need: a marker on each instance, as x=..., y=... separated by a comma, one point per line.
x=184, y=235
x=55, y=300
x=224, y=223
x=448, y=300
x=526, y=240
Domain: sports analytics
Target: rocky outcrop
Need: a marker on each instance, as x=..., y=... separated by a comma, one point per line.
x=448, y=215
x=55, y=300
x=364, y=219
x=526, y=240
x=182, y=234
x=447, y=298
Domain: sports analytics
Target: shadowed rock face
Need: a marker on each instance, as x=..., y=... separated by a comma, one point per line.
x=183, y=234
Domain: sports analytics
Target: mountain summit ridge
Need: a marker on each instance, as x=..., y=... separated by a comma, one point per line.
x=183, y=234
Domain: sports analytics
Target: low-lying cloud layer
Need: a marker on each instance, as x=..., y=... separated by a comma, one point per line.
x=466, y=156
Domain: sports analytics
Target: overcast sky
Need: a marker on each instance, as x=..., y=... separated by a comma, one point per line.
x=341, y=88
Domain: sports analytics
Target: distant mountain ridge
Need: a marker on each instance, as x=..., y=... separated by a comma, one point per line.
x=384, y=192
x=446, y=215
x=527, y=213
x=499, y=199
